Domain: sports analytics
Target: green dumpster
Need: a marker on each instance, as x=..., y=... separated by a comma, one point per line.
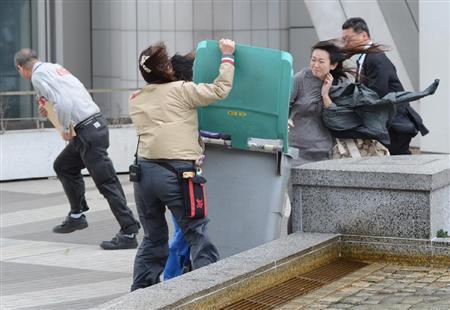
x=258, y=103
x=248, y=164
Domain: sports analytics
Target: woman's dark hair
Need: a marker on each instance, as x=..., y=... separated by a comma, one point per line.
x=182, y=66
x=155, y=65
x=338, y=54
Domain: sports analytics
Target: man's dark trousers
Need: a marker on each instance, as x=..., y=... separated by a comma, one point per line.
x=88, y=150
x=399, y=143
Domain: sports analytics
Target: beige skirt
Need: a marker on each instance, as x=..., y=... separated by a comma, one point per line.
x=357, y=148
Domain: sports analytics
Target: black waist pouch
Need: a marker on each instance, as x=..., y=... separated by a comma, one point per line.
x=192, y=190
x=194, y=196
x=135, y=172
x=135, y=168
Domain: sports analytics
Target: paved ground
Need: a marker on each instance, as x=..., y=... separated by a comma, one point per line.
x=43, y=270
x=382, y=286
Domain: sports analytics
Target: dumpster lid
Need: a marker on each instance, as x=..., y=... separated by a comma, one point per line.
x=258, y=105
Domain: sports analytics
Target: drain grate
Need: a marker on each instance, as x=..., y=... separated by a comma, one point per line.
x=297, y=286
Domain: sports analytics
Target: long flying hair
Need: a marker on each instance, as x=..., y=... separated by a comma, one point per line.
x=338, y=54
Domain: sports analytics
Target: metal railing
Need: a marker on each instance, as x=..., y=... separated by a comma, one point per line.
x=38, y=120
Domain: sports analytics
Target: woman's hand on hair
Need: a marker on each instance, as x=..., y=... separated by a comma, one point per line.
x=326, y=90
x=327, y=82
x=290, y=124
x=227, y=46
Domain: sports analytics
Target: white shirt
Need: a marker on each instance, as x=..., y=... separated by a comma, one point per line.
x=71, y=101
x=362, y=57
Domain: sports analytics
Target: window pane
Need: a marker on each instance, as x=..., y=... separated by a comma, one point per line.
x=15, y=33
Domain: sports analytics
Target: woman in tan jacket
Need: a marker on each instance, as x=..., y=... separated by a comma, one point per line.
x=164, y=113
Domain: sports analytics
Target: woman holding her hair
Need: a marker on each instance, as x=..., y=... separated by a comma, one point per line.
x=310, y=95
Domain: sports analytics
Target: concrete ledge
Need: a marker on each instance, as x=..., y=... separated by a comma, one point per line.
x=411, y=172
x=237, y=276
x=395, y=196
x=418, y=252
x=30, y=153
x=444, y=242
x=250, y=272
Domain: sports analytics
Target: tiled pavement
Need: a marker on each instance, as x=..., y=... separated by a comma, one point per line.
x=43, y=270
x=382, y=287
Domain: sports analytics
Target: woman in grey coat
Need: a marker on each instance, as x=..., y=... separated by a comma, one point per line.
x=309, y=96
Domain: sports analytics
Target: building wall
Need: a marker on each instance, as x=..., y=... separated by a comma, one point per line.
x=100, y=40
x=403, y=23
x=121, y=29
x=72, y=45
x=435, y=63
x=302, y=34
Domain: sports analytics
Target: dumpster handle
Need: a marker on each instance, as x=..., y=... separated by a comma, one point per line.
x=227, y=143
x=265, y=145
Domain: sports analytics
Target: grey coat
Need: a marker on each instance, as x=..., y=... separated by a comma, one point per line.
x=309, y=135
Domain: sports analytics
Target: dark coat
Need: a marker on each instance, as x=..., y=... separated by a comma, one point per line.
x=359, y=113
x=379, y=74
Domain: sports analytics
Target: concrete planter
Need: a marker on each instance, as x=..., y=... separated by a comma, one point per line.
x=397, y=196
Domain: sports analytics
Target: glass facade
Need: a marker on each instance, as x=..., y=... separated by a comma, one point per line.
x=15, y=33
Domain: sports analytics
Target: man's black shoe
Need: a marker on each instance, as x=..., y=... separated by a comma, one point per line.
x=70, y=224
x=120, y=242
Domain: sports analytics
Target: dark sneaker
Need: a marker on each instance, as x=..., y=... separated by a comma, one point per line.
x=120, y=242
x=71, y=224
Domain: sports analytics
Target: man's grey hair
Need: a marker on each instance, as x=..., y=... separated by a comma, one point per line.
x=24, y=58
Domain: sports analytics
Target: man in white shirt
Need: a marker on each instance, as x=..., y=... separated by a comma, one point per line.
x=75, y=109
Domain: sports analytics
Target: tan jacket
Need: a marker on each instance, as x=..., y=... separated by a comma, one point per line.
x=165, y=115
